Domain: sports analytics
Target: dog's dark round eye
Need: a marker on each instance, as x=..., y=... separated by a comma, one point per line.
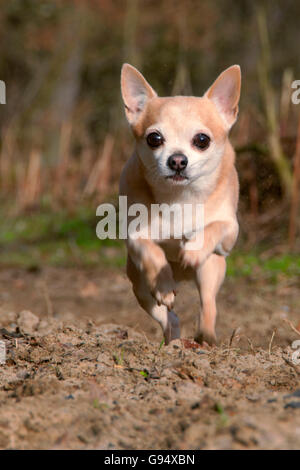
x=154, y=139
x=201, y=141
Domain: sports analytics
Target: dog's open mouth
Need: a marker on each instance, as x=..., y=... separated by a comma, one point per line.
x=177, y=177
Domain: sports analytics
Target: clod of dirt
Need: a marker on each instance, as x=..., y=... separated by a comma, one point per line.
x=27, y=322
x=188, y=344
x=23, y=374
x=7, y=317
x=296, y=393
x=45, y=327
x=293, y=404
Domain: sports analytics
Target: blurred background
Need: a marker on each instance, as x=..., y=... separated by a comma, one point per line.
x=64, y=138
x=65, y=300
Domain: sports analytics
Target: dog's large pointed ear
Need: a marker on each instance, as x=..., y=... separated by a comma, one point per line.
x=225, y=93
x=136, y=92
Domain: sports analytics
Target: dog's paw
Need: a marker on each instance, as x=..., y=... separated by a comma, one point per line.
x=164, y=288
x=206, y=336
x=164, y=297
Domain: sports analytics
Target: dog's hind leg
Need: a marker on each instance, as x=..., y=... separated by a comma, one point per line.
x=209, y=278
x=168, y=320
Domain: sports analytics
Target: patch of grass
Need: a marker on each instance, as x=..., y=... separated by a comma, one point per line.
x=119, y=360
x=254, y=264
x=144, y=373
x=57, y=238
x=99, y=406
x=223, y=418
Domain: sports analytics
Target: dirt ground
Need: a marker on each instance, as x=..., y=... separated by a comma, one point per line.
x=86, y=369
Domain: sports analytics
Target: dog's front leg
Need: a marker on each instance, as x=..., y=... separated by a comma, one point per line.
x=150, y=259
x=167, y=319
x=209, y=277
x=218, y=237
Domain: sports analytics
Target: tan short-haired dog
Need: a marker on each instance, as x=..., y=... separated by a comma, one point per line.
x=182, y=155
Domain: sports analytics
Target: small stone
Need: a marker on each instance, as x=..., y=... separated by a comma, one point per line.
x=195, y=405
x=100, y=368
x=27, y=322
x=253, y=398
x=69, y=397
x=23, y=374
x=99, y=358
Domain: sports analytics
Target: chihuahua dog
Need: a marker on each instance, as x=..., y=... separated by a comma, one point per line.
x=182, y=155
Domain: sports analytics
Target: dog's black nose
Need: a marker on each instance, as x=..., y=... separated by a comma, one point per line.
x=177, y=162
